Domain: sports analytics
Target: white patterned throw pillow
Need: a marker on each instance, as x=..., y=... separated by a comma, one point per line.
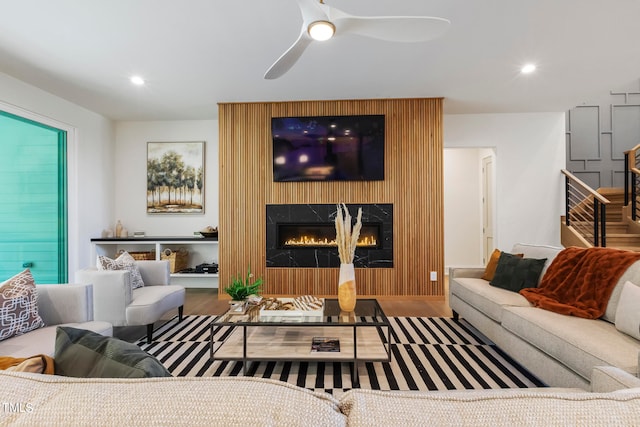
x=19, y=306
x=124, y=262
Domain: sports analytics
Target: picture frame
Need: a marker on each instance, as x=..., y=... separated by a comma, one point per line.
x=175, y=177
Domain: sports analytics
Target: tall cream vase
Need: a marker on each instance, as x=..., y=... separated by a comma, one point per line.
x=347, y=288
x=347, y=240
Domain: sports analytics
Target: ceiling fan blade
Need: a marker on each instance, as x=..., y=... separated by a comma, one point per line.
x=311, y=11
x=391, y=28
x=290, y=57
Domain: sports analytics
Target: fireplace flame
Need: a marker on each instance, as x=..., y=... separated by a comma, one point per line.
x=363, y=241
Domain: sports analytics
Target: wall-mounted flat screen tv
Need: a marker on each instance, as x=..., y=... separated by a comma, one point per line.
x=331, y=148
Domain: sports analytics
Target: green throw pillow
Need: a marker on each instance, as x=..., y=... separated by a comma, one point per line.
x=514, y=273
x=86, y=354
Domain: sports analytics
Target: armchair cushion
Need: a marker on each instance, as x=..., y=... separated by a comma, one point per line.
x=19, y=306
x=124, y=262
x=151, y=302
x=82, y=353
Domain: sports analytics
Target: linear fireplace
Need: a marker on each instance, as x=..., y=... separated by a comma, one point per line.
x=323, y=235
x=304, y=236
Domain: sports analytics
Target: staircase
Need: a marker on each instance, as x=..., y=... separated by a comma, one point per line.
x=620, y=230
x=607, y=217
x=622, y=233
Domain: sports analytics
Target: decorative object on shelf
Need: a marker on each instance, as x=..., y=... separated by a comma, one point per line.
x=118, y=229
x=178, y=260
x=175, y=177
x=207, y=268
x=209, y=231
x=347, y=240
x=107, y=233
x=240, y=289
x=140, y=255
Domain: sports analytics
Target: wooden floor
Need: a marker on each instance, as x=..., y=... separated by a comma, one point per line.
x=205, y=301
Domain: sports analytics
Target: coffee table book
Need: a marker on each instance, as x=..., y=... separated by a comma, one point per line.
x=325, y=344
x=292, y=315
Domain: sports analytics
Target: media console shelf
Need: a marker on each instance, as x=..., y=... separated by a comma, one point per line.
x=201, y=250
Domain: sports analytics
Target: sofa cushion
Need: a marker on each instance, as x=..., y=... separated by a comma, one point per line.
x=580, y=343
x=186, y=401
x=485, y=298
x=538, y=252
x=124, y=262
x=19, y=306
x=522, y=407
x=514, y=273
x=85, y=354
x=631, y=275
x=490, y=269
x=628, y=312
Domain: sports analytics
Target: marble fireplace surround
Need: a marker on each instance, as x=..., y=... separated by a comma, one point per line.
x=319, y=257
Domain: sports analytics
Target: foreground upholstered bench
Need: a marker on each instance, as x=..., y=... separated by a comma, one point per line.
x=35, y=399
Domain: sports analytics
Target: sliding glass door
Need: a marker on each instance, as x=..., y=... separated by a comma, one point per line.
x=33, y=199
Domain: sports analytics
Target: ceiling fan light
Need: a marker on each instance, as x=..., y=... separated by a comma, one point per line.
x=321, y=30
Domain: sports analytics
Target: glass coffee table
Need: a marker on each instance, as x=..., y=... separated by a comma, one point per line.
x=363, y=336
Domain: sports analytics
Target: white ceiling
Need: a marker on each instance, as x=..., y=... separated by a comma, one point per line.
x=197, y=53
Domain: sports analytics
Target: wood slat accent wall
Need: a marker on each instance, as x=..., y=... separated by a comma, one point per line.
x=413, y=183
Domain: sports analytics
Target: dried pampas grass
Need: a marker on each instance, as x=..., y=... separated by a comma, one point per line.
x=346, y=236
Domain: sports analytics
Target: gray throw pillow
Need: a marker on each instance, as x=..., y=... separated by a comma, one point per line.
x=86, y=354
x=514, y=273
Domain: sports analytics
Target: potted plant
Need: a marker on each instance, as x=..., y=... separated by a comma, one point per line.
x=240, y=289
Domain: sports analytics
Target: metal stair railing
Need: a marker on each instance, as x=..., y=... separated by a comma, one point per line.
x=586, y=210
x=632, y=180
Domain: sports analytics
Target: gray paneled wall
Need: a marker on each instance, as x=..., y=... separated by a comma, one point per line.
x=599, y=134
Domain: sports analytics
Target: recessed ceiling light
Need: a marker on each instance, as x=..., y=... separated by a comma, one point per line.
x=137, y=80
x=528, y=69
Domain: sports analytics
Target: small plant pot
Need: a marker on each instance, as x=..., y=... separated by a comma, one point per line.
x=237, y=307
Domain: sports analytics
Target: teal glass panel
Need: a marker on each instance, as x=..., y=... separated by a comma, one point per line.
x=33, y=190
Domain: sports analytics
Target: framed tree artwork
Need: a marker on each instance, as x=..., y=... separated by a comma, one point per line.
x=175, y=177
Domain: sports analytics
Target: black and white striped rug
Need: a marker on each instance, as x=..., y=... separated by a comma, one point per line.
x=428, y=353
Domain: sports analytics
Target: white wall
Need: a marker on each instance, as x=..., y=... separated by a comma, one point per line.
x=131, y=177
x=92, y=148
x=463, y=206
x=530, y=152
x=110, y=166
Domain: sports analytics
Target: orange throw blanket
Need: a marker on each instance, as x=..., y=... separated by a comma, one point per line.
x=580, y=281
x=40, y=364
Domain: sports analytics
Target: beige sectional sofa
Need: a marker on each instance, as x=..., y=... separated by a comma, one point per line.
x=561, y=350
x=69, y=305
x=39, y=400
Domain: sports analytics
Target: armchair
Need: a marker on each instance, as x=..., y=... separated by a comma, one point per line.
x=115, y=302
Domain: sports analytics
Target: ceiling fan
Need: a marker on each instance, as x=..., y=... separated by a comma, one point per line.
x=321, y=22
